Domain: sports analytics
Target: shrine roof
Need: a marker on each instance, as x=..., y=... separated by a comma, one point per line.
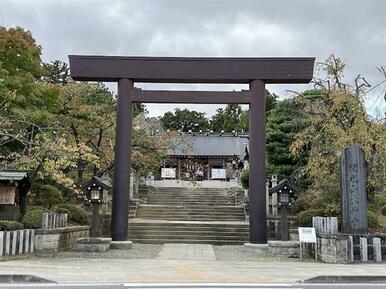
x=208, y=145
x=12, y=175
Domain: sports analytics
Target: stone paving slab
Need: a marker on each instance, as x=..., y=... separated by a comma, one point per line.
x=187, y=252
x=70, y=270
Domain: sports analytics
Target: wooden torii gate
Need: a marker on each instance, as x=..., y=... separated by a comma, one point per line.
x=128, y=70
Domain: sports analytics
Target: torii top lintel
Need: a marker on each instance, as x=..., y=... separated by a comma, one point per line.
x=191, y=69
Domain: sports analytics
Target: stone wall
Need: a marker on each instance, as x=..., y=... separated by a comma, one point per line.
x=49, y=242
x=334, y=248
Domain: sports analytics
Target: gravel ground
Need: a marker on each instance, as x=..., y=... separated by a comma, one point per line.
x=151, y=251
x=139, y=251
x=241, y=253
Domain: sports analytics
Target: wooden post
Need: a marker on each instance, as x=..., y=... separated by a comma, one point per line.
x=120, y=210
x=95, y=220
x=257, y=197
x=284, y=223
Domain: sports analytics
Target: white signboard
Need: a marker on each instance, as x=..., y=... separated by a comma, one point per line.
x=168, y=173
x=307, y=235
x=218, y=173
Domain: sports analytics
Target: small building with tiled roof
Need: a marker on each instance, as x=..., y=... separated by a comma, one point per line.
x=217, y=156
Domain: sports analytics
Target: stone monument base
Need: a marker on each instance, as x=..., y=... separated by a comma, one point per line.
x=93, y=244
x=121, y=245
x=284, y=248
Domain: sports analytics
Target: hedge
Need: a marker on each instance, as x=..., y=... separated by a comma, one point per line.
x=33, y=218
x=76, y=214
x=10, y=225
x=304, y=219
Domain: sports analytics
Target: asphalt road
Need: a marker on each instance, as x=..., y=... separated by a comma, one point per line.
x=195, y=286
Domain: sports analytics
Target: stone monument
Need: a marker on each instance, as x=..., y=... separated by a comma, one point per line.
x=353, y=191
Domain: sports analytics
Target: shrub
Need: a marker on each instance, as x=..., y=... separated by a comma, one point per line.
x=33, y=218
x=10, y=225
x=373, y=220
x=331, y=210
x=304, y=202
x=383, y=211
x=304, y=218
x=76, y=214
x=61, y=210
x=379, y=202
x=244, y=178
x=50, y=196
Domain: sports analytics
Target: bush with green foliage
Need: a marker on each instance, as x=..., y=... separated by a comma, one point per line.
x=33, y=218
x=76, y=214
x=244, y=178
x=10, y=225
x=304, y=218
x=380, y=203
x=305, y=201
x=373, y=220
x=309, y=203
x=51, y=196
x=383, y=211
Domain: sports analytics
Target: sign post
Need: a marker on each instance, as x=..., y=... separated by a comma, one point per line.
x=307, y=235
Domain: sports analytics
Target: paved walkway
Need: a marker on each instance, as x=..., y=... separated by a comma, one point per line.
x=187, y=252
x=70, y=270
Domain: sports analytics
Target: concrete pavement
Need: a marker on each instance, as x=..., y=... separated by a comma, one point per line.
x=74, y=270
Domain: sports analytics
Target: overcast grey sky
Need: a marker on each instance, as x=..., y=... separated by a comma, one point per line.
x=354, y=30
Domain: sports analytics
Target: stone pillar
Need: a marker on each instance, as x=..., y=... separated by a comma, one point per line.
x=178, y=169
x=351, y=248
x=353, y=191
x=122, y=161
x=363, y=249
x=1, y=242
x=20, y=240
x=377, y=250
x=209, y=169
x=267, y=198
x=257, y=201
x=275, y=210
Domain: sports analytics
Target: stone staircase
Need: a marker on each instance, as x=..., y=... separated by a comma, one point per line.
x=189, y=215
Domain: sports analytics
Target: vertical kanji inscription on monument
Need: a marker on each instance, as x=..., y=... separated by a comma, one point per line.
x=353, y=191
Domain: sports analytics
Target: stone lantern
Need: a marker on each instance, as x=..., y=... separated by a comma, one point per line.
x=286, y=193
x=95, y=193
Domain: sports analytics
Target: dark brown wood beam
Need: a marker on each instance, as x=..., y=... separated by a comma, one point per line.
x=171, y=96
x=192, y=69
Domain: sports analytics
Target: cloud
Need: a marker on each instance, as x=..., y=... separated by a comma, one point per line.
x=352, y=29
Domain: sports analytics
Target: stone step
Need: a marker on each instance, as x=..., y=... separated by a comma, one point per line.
x=192, y=226
x=197, y=210
x=190, y=195
x=189, y=237
x=191, y=241
x=190, y=218
x=185, y=235
x=192, y=211
x=189, y=214
x=191, y=202
x=180, y=215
